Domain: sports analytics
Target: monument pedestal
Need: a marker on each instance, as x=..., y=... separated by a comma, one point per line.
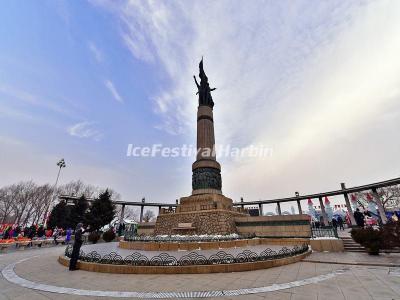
x=206, y=213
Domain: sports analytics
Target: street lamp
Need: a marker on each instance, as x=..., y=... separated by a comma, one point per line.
x=61, y=164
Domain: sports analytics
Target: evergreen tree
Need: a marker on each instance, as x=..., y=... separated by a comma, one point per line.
x=101, y=212
x=78, y=211
x=60, y=216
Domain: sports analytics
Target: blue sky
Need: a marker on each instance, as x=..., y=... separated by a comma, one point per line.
x=318, y=81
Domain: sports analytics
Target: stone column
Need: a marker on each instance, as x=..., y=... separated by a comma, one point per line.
x=299, y=207
x=278, y=205
x=206, y=176
x=141, y=213
x=121, y=217
x=348, y=205
x=324, y=216
x=380, y=206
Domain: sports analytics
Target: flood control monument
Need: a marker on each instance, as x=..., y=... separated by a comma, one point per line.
x=206, y=210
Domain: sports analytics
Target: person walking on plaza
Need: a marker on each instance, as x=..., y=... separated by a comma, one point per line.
x=76, y=247
x=56, y=234
x=68, y=236
x=359, y=218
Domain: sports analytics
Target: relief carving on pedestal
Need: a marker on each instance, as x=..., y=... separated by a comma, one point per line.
x=206, y=178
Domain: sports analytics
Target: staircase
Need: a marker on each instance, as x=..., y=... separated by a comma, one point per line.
x=351, y=246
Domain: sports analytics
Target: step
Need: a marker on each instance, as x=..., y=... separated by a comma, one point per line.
x=355, y=248
x=390, y=251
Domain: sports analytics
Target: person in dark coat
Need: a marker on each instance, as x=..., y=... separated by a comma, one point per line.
x=40, y=232
x=32, y=231
x=334, y=223
x=76, y=248
x=359, y=217
x=340, y=222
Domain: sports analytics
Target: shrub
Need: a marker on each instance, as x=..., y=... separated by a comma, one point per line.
x=358, y=235
x=109, y=235
x=391, y=235
x=370, y=238
x=93, y=237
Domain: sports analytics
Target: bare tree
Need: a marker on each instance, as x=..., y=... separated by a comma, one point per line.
x=131, y=214
x=148, y=216
x=26, y=202
x=78, y=188
x=390, y=197
x=6, y=204
x=42, y=196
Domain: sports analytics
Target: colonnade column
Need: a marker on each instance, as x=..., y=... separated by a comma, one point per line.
x=380, y=205
x=348, y=205
x=324, y=216
x=278, y=205
x=299, y=207
x=121, y=217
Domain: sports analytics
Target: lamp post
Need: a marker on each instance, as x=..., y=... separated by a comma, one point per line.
x=61, y=164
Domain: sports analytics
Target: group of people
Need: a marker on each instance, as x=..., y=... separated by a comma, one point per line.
x=34, y=232
x=338, y=222
x=359, y=217
x=368, y=218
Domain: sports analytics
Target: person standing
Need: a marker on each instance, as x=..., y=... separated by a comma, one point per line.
x=340, y=222
x=68, y=236
x=56, y=233
x=76, y=247
x=359, y=217
x=334, y=223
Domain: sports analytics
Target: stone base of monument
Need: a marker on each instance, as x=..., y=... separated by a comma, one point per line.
x=211, y=214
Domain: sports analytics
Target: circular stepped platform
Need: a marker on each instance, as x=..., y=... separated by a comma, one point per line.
x=109, y=258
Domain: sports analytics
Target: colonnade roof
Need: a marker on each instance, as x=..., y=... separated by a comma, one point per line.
x=349, y=190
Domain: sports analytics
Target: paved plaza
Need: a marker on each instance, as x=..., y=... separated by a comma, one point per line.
x=314, y=278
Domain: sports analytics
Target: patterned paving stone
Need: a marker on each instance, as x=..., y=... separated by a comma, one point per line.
x=41, y=273
x=10, y=275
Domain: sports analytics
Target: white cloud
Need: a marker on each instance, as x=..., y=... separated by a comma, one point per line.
x=85, y=130
x=311, y=79
x=97, y=53
x=32, y=99
x=110, y=86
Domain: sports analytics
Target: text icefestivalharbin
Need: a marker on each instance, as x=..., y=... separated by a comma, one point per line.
x=159, y=150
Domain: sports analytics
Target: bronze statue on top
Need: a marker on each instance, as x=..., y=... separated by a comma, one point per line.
x=204, y=89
